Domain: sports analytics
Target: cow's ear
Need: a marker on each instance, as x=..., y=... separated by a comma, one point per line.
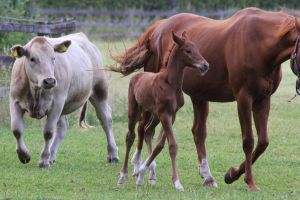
x=62, y=47
x=17, y=51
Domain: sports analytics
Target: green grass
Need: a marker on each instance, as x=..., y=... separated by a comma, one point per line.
x=81, y=171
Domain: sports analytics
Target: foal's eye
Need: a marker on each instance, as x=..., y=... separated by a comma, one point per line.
x=32, y=59
x=188, y=51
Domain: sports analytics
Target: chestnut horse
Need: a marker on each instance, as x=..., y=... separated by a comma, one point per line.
x=161, y=95
x=245, y=53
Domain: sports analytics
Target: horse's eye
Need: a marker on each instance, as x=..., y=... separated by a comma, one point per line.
x=32, y=59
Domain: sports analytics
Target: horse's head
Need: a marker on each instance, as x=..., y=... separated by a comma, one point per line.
x=190, y=53
x=295, y=57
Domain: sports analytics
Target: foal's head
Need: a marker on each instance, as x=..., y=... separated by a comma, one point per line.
x=189, y=53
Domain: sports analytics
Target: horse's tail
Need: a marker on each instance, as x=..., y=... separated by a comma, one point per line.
x=82, y=123
x=136, y=57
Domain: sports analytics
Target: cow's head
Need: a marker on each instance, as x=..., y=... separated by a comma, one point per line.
x=39, y=60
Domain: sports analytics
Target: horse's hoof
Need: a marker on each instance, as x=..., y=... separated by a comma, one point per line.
x=228, y=177
x=152, y=181
x=112, y=159
x=210, y=182
x=44, y=165
x=140, y=179
x=23, y=156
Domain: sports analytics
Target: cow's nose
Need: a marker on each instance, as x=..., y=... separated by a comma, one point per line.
x=49, y=83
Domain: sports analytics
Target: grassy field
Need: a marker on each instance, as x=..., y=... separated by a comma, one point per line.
x=81, y=170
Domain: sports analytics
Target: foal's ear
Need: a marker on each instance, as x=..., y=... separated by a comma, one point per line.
x=177, y=39
x=298, y=24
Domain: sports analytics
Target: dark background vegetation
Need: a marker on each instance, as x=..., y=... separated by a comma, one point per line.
x=21, y=9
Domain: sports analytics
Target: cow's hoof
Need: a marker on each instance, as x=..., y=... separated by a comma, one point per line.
x=210, y=182
x=112, y=159
x=228, y=176
x=44, y=164
x=24, y=156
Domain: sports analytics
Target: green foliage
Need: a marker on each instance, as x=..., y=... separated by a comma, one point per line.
x=167, y=4
x=13, y=9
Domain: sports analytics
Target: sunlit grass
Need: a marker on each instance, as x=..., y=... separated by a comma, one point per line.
x=81, y=170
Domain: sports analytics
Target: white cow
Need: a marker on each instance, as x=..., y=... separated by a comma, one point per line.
x=53, y=77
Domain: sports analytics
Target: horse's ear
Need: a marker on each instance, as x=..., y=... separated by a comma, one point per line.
x=177, y=39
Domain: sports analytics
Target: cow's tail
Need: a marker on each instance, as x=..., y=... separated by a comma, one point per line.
x=135, y=57
x=82, y=123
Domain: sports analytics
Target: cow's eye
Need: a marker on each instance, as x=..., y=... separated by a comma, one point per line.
x=32, y=59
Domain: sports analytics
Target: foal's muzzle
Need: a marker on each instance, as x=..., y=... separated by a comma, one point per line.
x=203, y=67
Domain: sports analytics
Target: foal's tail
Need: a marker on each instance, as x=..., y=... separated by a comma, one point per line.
x=82, y=123
x=136, y=57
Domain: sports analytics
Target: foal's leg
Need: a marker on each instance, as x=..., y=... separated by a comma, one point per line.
x=261, y=111
x=149, y=133
x=199, y=132
x=244, y=103
x=136, y=160
x=103, y=112
x=61, y=129
x=147, y=163
x=17, y=127
x=133, y=114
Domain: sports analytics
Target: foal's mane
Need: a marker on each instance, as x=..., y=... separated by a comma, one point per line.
x=169, y=55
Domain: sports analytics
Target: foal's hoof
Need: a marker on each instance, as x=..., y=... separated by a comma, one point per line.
x=228, y=176
x=112, y=159
x=23, y=156
x=210, y=182
x=122, y=179
x=178, y=186
x=44, y=164
x=152, y=181
x=253, y=188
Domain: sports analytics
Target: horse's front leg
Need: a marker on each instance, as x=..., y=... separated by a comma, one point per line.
x=244, y=104
x=49, y=130
x=17, y=127
x=199, y=133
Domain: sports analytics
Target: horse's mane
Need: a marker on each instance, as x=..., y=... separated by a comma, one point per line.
x=286, y=26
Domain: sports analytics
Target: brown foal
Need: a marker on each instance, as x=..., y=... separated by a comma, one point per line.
x=161, y=95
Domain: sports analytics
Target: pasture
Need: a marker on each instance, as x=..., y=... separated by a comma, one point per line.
x=81, y=170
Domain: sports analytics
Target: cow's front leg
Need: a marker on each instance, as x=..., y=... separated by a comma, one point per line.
x=60, y=133
x=49, y=129
x=17, y=127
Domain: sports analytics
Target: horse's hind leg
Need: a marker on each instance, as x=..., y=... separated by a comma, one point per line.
x=199, y=132
x=261, y=111
x=61, y=129
x=103, y=112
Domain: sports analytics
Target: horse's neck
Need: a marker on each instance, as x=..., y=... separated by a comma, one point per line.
x=284, y=48
x=174, y=72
